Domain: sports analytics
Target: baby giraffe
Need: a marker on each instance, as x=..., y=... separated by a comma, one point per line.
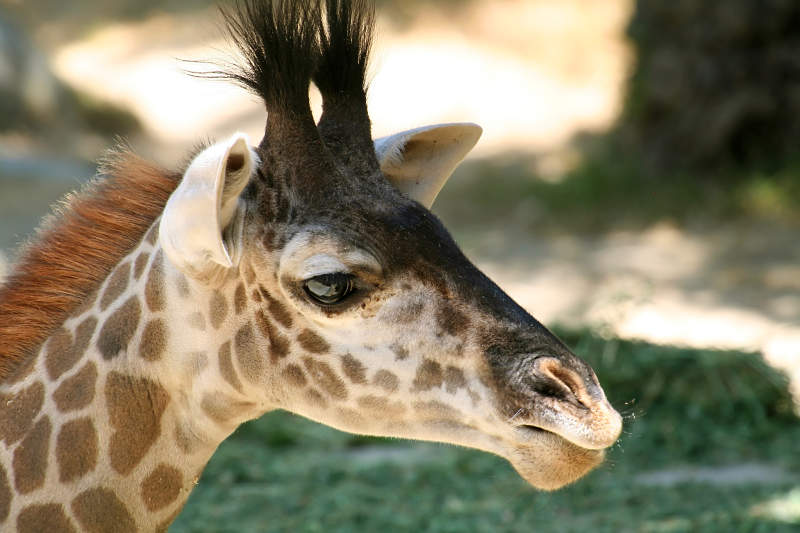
x=157, y=311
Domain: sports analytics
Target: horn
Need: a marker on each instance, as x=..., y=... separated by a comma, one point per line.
x=345, y=43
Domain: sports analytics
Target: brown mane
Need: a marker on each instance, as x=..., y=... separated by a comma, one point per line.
x=75, y=249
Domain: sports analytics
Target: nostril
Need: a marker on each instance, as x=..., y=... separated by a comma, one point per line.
x=551, y=378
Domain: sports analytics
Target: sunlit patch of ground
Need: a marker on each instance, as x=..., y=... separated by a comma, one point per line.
x=531, y=73
x=785, y=508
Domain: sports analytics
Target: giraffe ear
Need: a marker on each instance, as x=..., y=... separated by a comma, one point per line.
x=200, y=228
x=418, y=162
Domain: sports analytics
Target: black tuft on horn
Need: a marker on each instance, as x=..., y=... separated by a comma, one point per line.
x=279, y=42
x=341, y=76
x=286, y=43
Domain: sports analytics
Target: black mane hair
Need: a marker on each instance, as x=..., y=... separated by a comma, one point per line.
x=341, y=76
x=284, y=44
x=279, y=44
x=345, y=44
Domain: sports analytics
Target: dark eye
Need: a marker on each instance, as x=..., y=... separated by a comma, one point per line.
x=329, y=289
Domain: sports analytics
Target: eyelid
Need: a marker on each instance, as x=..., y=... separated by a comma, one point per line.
x=321, y=264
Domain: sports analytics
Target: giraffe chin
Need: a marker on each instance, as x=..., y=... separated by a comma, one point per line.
x=549, y=462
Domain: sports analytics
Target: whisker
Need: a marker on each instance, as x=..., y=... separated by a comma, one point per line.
x=516, y=414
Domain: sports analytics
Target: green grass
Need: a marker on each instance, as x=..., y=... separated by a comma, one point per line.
x=682, y=407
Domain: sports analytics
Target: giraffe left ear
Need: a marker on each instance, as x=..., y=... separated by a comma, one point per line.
x=200, y=228
x=418, y=162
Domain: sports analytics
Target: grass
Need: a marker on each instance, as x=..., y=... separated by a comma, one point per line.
x=683, y=407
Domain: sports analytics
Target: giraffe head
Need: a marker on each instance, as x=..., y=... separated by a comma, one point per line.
x=352, y=305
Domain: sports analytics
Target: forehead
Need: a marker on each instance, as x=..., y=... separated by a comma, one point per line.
x=396, y=230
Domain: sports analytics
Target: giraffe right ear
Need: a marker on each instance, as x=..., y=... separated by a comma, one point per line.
x=418, y=162
x=201, y=227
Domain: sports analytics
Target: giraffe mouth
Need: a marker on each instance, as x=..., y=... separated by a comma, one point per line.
x=595, y=427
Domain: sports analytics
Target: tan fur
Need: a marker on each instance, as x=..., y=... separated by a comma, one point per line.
x=75, y=249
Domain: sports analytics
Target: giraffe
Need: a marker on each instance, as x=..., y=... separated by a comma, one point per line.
x=156, y=310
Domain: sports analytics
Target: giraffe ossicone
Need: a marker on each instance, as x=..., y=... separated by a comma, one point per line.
x=161, y=309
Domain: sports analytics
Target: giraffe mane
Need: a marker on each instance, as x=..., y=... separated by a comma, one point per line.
x=74, y=250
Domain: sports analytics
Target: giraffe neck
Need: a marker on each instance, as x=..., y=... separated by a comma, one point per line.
x=110, y=425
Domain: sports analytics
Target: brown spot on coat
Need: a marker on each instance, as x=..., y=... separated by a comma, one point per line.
x=154, y=340
x=249, y=273
x=435, y=409
x=400, y=352
x=222, y=408
x=294, y=375
x=381, y=406
x=76, y=449
x=30, y=457
x=154, y=286
x=62, y=353
x=161, y=487
x=117, y=283
x=226, y=367
x=186, y=439
x=269, y=240
x=5, y=495
x=250, y=363
x=197, y=321
x=19, y=411
x=314, y=398
x=256, y=295
x=350, y=416
x=77, y=391
x=182, y=284
x=98, y=510
x=277, y=309
x=409, y=313
x=119, y=328
x=353, y=369
x=386, y=380
x=135, y=406
x=239, y=299
x=324, y=376
x=217, y=309
x=454, y=379
x=278, y=343
x=429, y=376
x=59, y=353
x=451, y=320
x=139, y=264
x=44, y=517
x=197, y=362
x=312, y=342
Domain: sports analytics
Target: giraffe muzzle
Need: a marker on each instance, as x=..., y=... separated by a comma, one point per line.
x=562, y=401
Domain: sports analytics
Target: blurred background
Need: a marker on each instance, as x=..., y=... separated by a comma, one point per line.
x=637, y=187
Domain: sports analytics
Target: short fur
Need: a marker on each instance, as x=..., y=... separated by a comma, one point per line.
x=74, y=250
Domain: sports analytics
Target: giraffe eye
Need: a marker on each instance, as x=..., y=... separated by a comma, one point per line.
x=329, y=289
